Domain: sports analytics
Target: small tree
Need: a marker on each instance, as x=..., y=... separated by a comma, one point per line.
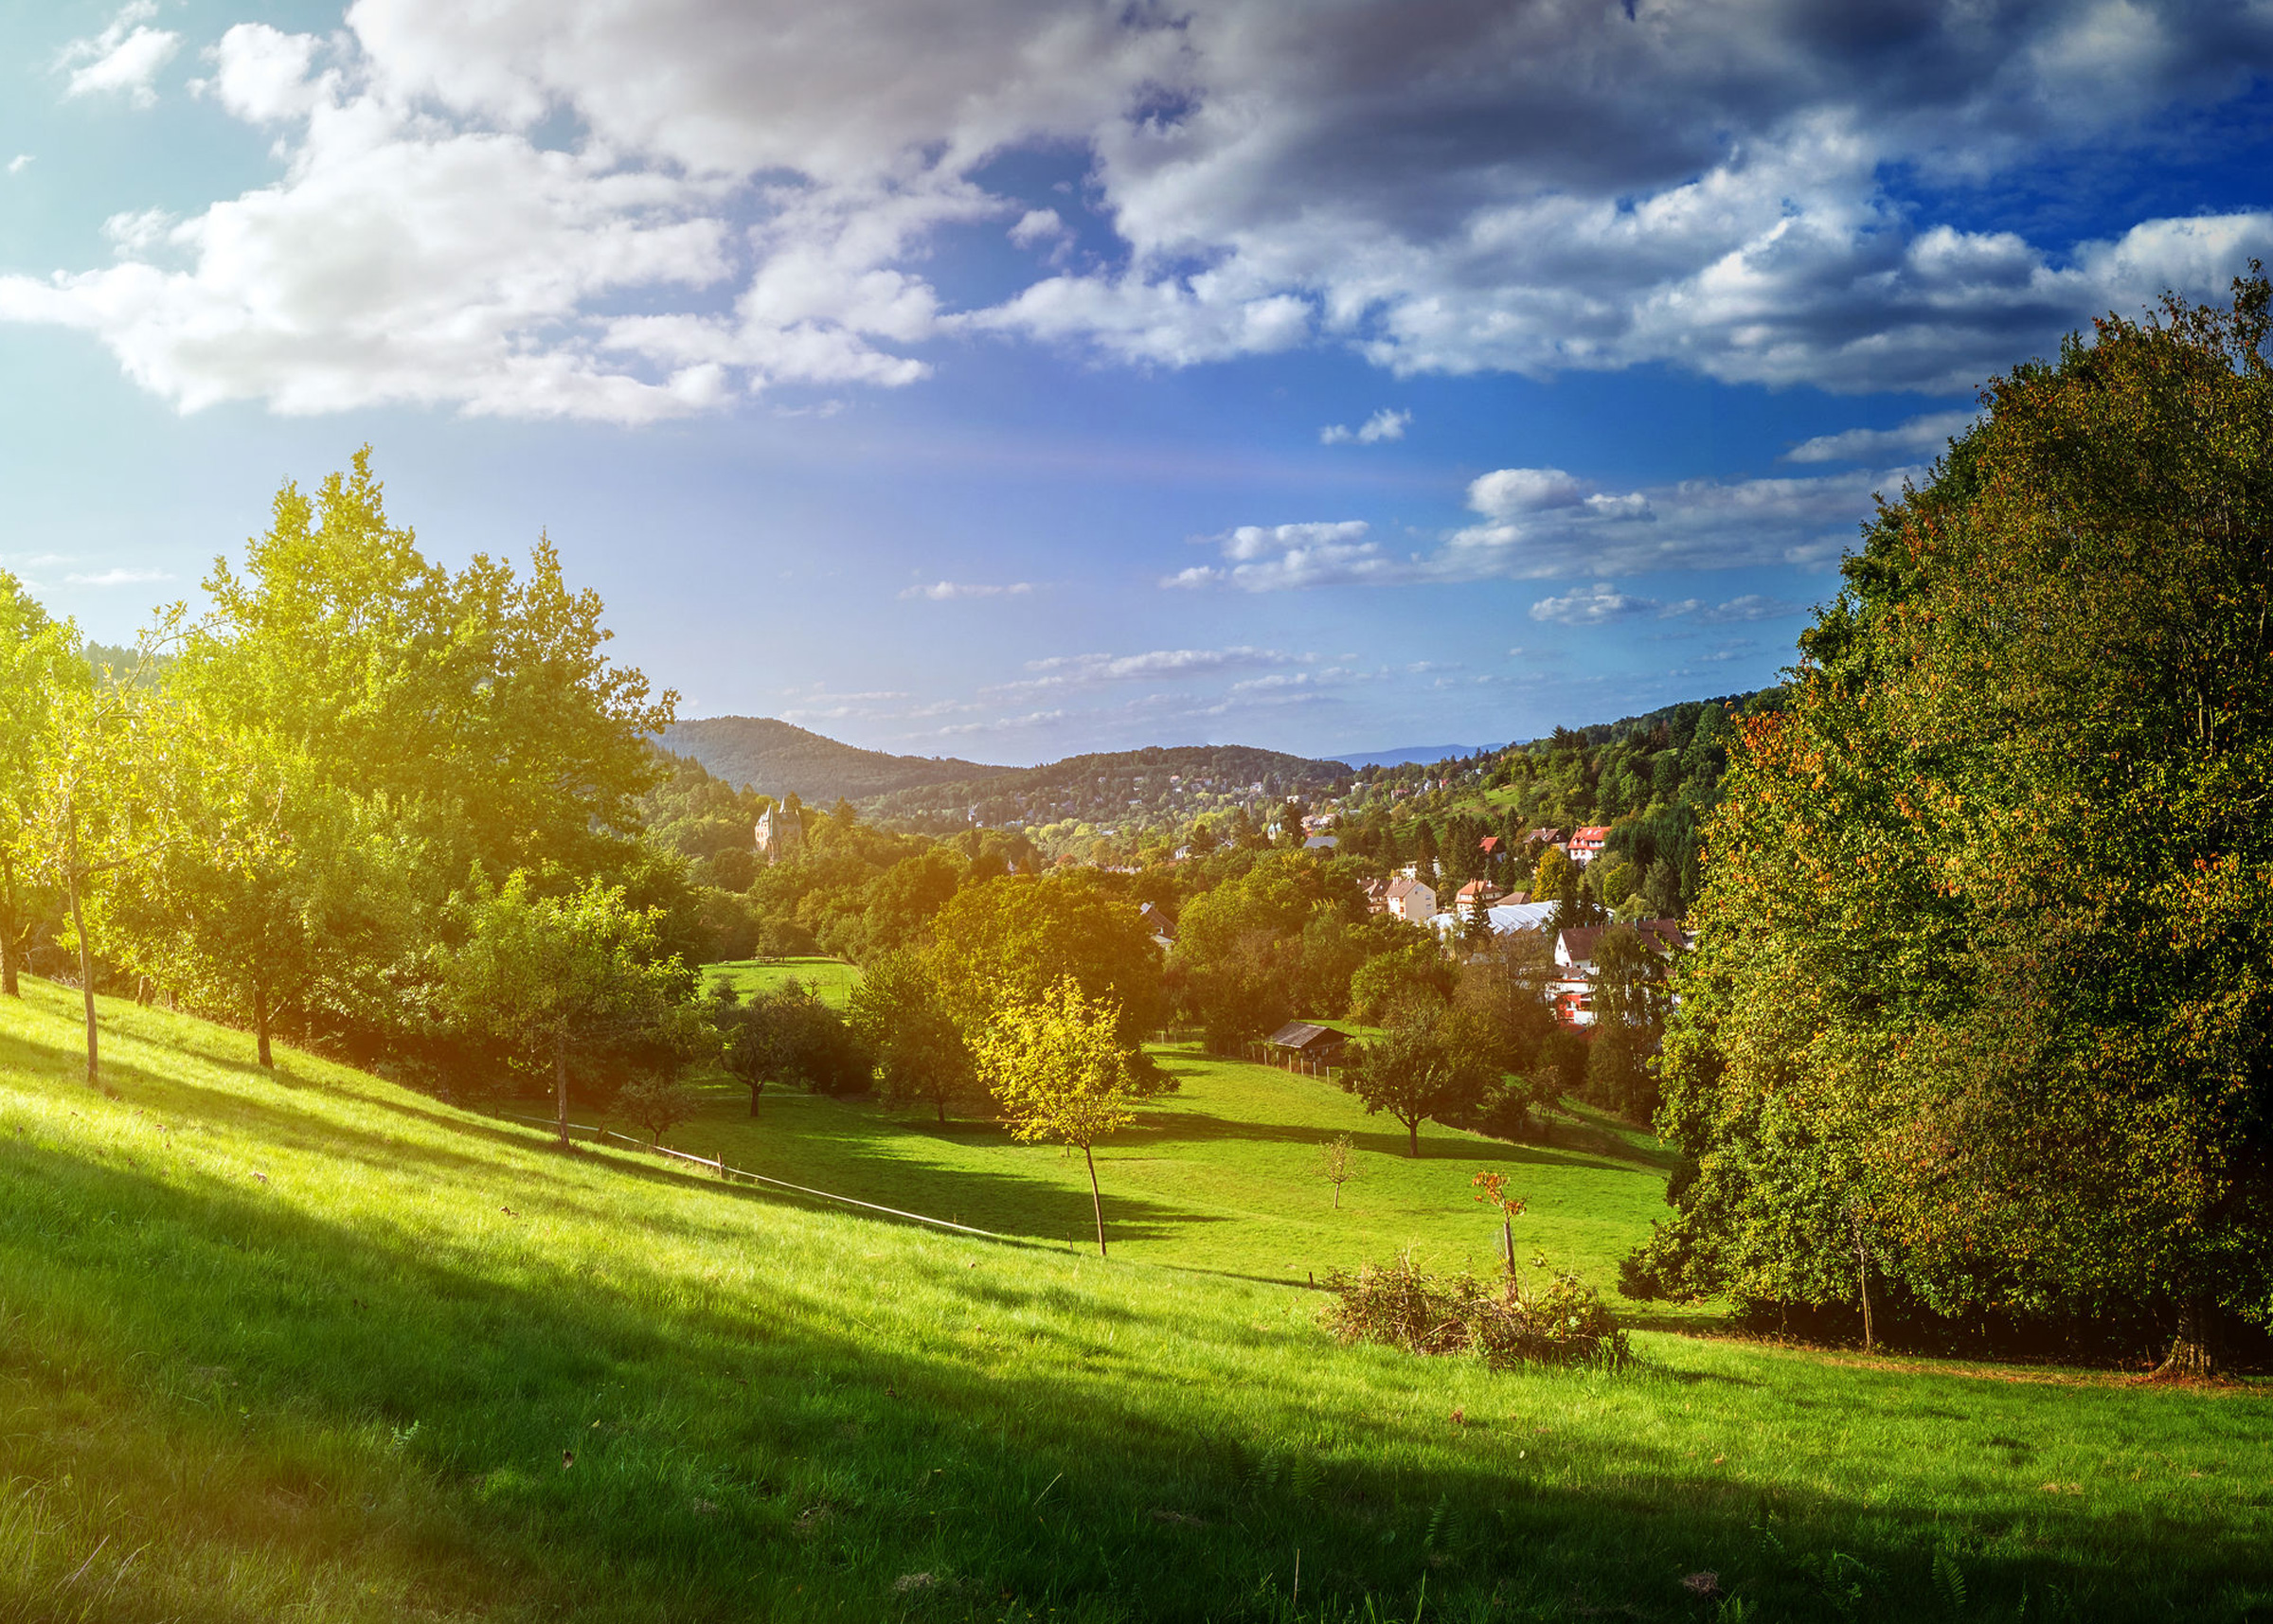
x=1337, y=1165
x=1429, y=1065
x=657, y=1104
x=1060, y=1072
x=1492, y=1189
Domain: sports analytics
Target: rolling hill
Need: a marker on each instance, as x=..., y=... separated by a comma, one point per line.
x=776, y=759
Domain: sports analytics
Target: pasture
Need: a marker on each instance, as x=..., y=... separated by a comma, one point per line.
x=832, y=979
x=311, y=1346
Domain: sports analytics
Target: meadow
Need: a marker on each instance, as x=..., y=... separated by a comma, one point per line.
x=311, y=1346
x=831, y=979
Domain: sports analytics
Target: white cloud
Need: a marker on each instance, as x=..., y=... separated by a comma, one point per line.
x=948, y=591
x=1039, y=227
x=1507, y=492
x=263, y=74
x=1918, y=437
x=1033, y=719
x=118, y=577
x=1547, y=525
x=589, y=207
x=1266, y=558
x=1091, y=671
x=1384, y=424
x=18, y=163
x=1752, y=606
x=123, y=60
x=1591, y=606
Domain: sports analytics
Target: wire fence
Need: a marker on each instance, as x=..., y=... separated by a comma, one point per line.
x=717, y=1165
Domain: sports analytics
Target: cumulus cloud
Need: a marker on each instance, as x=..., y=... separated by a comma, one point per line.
x=123, y=60
x=1923, y=435
x=1591, y=606
x=1384, y=424
x=17, y=163
x=587, y=208
x=949, y=591
x=1267, y=558
x=1544, y=523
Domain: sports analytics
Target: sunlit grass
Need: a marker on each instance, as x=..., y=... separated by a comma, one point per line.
x=310, y=1347
x=832, y=979
x=1222, y=1175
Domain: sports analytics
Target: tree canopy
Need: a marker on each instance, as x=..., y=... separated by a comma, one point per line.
x=1982, y=1000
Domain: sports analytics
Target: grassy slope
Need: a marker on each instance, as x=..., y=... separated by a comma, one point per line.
x=276, y=1347
x=1220, y=1175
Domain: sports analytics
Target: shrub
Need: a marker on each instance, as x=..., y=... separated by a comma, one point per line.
x=1563, y=1322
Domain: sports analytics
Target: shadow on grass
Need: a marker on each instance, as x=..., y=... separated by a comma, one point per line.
x=801, y=1449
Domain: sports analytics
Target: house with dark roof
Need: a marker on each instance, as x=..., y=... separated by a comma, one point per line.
x=1573, y=986
x=1308, y=1043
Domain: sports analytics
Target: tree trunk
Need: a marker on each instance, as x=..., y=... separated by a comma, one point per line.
x=1412, y=1134
x=1096, y=1200
x=8, y=931
x=268, y=1060
x=560, y=1083
x=940, y=1100
x=2194, y=1350
x=86, y=965
x=1862, y=1275
x=756, y=1089
x=1337, y=1195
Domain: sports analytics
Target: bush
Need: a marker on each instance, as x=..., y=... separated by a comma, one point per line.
x=1563, y=1323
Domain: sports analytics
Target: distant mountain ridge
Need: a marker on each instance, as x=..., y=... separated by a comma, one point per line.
x=776, y=759
x=1144, y=788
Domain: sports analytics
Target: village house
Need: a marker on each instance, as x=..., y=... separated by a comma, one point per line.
x=1586, y=843
x=1573, y=988
x=1411, y=899
x=1475, y=897
x=1377, y=896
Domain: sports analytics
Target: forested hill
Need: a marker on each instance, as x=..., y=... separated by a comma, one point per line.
x=1143, y=789
x=776, y=759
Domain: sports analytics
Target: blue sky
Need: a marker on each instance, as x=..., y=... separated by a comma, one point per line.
x=1022, y=377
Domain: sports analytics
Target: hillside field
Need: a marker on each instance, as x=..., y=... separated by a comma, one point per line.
x=310, y=1347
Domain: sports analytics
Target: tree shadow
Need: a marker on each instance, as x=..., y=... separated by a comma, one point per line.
x=794, y=1447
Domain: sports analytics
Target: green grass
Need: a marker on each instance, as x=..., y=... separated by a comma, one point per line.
x=310, y=1347
x=1222, y=1175
x=832, y=978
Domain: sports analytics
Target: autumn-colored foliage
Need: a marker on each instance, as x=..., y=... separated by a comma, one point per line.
x=1983, y=994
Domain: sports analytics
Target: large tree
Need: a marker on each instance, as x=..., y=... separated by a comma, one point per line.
x=569, y=988
x=1982, y=1002
x=1432, y=1063
x=39, y=663
x=901, y=1020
